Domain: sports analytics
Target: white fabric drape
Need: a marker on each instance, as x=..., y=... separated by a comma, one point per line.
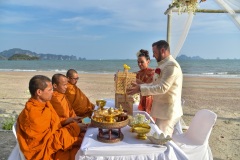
x=180, y=36
x=181, y=23
x=230, y=6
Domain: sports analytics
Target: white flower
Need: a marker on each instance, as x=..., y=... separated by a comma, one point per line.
x=186, y=5
x=138, y=53
x=136, y=98
x=139, y=119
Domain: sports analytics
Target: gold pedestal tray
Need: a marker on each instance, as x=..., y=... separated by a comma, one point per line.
x=106, y=125
x=110, y=135
x=110, y=132
x=109, y=123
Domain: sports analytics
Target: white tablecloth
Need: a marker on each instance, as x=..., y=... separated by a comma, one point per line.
x=130, y=148
x=111, y=103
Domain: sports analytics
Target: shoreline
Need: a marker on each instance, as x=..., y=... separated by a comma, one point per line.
x=227, y=76
x=221, y=95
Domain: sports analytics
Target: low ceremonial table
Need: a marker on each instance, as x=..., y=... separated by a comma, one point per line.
x=129, y=148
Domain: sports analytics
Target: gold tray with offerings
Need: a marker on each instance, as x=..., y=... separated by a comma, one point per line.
x=109, y=122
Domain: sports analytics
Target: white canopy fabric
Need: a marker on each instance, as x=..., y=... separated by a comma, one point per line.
x=230, y=6
x=179, y=35
x=181, y=23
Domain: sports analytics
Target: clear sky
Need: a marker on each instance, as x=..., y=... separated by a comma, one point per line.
x=109, y=29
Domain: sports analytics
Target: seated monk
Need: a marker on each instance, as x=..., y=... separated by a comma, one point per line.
x=80, y=103
x=39, y=131
x=60, y=103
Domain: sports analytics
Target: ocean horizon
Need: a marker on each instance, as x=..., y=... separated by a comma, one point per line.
x=229, y=68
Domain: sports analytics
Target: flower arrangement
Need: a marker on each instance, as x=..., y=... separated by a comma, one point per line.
x=157, y=73
x=138, y=119
x=126, y=67
x=138, y=53
x=186, y=5
x=136, y=98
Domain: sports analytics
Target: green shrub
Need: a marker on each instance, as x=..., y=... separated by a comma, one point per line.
x=9, y=121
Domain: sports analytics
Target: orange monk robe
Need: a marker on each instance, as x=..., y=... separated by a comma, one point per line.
x=80, y=103
x=62, y=106
x=41, y=136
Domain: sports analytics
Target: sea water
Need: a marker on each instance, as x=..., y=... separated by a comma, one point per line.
x=215, y=68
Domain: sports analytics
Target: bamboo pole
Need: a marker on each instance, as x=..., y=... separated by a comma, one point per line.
x=169, y=21
x=209, y=11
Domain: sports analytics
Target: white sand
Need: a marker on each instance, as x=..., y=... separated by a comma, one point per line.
x=221, y=95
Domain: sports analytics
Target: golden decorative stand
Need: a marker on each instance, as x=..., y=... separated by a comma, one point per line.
x=122, y=82
x=110, y=135
x=109, y=123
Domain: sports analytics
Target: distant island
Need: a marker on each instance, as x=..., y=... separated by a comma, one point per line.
x=23, y=57
x=20, y=54
x=184, y=57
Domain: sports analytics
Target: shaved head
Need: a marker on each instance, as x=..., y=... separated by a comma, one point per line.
x=38, y=82
x=70, y=73
x=56, y=78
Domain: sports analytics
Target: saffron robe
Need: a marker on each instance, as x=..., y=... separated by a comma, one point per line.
x=146, y=76
x=41, y=136
x=80, y=103
x=62, y=106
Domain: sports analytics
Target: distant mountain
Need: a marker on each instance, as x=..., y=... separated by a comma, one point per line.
x=184, y=57
x=23, y=57
x=2, y=58
x=9, y=53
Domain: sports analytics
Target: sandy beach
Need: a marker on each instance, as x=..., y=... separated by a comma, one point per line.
x=221, y=95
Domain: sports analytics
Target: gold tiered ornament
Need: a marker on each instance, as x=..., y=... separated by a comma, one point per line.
x=109, y=122
x=122, y=82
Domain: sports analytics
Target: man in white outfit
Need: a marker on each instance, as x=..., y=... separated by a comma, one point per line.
x=166, y=88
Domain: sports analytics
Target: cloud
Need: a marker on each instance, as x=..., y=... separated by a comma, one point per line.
x=100, y=25
x=12, y=17
x=215, y=23
x=130, y=15
x=76, y=5
x=134, y=15
x=87, y=21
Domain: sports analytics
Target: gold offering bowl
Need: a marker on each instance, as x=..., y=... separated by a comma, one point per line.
x=109, y=115
x=101, y=103
x=109, y=118
x=141, y=130
x=97, y=117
